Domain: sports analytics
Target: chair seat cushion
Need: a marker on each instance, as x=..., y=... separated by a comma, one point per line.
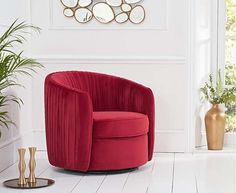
x=115, y=124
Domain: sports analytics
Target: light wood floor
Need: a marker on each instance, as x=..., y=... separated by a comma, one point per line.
x=166, y=173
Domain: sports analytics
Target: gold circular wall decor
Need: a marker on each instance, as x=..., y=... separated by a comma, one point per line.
x=104, y=11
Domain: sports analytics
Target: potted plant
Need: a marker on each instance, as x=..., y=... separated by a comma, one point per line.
x=214, y=92
x=13, y=64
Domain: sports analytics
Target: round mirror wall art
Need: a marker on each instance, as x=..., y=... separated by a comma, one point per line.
x=126, y=7
x=104, y=11
x=85, y=3
x=69, y=3
x=137, y=14
x=122, y=17
x=132, y=1
x=68, y=12
x=83, y=15
x=114, y=3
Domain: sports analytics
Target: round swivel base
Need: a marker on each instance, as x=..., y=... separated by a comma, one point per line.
x=111, y=171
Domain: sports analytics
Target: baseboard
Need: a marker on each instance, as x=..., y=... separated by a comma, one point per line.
x=229, y=141
x=170, y=141
x=8, y=151
x=35, y=139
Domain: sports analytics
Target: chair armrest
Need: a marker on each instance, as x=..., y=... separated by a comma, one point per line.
x=112, y=93
x=68, y=122
x=142, y=100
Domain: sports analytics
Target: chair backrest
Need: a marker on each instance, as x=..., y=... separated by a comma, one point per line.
x=107, y=92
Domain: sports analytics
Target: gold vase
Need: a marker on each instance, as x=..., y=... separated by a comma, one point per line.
x=21, y=166
x=215, y=127
x=32, y=165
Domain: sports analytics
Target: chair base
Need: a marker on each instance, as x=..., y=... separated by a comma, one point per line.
x=111, y=171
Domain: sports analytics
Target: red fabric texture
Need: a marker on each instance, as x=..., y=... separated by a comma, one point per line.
x=68, y=126
x=119, y=153
x=97, y=122
x=113, y=124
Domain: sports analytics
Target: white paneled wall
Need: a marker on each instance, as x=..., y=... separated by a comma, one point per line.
x=62, y=41
x=12, y=138
x=169, y=91
x=156, y=9
x=156, y=55
x=205, y=59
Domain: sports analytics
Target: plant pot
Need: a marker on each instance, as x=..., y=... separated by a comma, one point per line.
x=215, y=127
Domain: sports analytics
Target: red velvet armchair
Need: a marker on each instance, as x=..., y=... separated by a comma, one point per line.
x=97, y=122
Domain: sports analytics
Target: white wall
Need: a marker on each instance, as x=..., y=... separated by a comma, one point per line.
x=154, y=55
x=203, y=41
x=12, y=138
x=209, y=51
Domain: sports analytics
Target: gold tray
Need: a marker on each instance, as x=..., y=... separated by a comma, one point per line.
x=40, y=183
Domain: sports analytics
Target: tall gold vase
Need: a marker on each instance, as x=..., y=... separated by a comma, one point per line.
x=215, y=127
x=21, y=166
x=32, y=165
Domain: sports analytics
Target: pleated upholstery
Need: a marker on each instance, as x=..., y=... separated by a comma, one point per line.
x=68, y=116
x=71, y=97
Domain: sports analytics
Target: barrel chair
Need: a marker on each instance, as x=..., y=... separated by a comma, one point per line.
x=97, y=122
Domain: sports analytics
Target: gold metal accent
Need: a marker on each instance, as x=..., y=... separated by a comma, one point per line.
x=21, y=166
x=32, y=165
x=215, y=127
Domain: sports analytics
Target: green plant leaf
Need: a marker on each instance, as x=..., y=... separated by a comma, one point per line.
x=13, y=64
x=216, y=93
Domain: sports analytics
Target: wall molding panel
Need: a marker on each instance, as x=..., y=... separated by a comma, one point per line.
x=153, y=53
x=110, y=60
x=170, y=141
x=8, y=150
x=161, y=12
x=9, y=141
x=170, y=135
